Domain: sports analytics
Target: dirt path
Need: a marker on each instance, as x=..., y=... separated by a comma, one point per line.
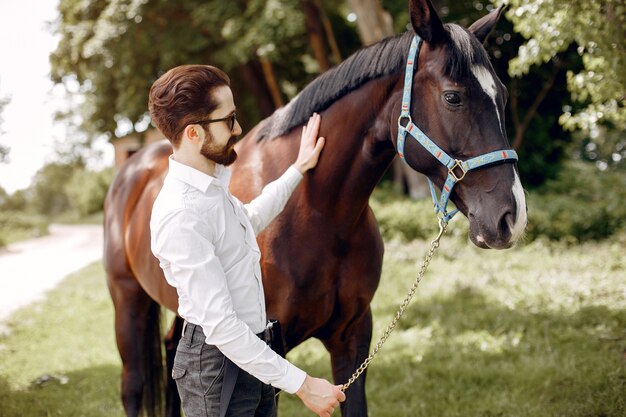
x=30, y=268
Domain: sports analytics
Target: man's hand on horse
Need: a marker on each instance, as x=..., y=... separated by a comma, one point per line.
x=310, y=145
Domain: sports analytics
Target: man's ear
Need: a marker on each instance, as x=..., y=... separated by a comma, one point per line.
x=191, y=132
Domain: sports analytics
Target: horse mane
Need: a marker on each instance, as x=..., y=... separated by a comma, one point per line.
x=375, y=61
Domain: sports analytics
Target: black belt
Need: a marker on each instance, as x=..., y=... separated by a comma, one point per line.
x=265, y=335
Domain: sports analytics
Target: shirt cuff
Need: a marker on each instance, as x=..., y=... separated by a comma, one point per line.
x=294, y=379
x=292, y=176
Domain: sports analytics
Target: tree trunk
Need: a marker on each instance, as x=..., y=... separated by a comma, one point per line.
x=270, y=79
x=315, y=30
x=373, y=25
x=330, y=34
x=373, y=22
x=253, y=78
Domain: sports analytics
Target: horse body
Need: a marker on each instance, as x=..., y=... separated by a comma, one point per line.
x=322, y=256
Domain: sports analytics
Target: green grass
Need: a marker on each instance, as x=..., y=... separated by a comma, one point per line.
x=70, y=338
x=539, y=330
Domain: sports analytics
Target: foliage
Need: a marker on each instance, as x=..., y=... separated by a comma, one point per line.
x=114, y=49
x=18, y=225
x=69, y=190
x=48, y=188
x=404, y=219
x=607, y=148
x=18, y=201
x=582, y=204
x=490, y=333
x=4, y=154
x=4, y=196
x=87, y=189
x=597, y=29
x=4, y=150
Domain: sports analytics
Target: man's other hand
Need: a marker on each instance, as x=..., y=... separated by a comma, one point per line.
x=320, y=396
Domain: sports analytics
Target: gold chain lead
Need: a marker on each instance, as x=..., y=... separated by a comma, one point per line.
x=433, y=246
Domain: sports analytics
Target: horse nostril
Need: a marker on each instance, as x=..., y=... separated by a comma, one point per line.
x=506, y=222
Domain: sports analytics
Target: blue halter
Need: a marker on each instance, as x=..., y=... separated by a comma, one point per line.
x=452, y=164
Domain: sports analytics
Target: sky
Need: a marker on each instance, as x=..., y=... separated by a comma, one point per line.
x=28, y=120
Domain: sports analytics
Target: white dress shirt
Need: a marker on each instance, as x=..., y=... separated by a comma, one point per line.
x=205, y=240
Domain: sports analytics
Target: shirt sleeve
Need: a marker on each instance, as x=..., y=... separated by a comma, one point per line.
x=183, y=244
x=272, y=200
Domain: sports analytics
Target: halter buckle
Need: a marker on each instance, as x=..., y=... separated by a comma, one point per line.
x=408, y=116
x=457, y=163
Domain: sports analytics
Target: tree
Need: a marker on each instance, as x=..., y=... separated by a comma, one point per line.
x=596, y=29
x=114, y=49
x=4, y=150
x=319, y=30
x=86, y=190
x=48, y=190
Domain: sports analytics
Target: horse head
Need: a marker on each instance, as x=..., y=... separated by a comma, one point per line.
x=458, y=101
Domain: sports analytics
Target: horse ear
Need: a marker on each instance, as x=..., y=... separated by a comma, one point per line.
x=483, y=26
x=426, y=22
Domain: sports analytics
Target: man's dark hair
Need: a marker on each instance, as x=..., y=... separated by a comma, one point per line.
x=182, y=95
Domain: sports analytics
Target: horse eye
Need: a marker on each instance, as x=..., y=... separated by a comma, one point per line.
x=451, y=98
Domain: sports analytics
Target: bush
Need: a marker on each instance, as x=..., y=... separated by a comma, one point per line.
x=86, y=190
x=582, y=204
x=404, y=219
x=19, y=225
x=48, y=195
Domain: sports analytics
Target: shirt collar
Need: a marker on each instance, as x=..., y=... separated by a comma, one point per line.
x=198, y=179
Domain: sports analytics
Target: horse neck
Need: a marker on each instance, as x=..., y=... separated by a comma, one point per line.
x=357, y=153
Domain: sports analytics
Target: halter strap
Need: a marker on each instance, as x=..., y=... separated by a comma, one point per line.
x=456, y=168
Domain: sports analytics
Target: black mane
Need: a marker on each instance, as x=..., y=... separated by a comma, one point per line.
x=375, y=61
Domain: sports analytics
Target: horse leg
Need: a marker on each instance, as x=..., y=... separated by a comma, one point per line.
x=348, y=349
x=172, y=398
x=139, y=343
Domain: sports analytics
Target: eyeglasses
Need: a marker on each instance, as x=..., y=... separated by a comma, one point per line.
x=230, y=119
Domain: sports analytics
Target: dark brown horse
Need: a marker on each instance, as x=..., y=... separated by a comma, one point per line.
x=322, y=257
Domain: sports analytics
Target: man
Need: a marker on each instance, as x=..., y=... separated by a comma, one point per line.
x=205, y=241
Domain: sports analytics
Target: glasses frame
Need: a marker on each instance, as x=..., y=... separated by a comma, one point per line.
x=231, y=118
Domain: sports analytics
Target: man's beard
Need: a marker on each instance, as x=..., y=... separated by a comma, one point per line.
x=223, y=156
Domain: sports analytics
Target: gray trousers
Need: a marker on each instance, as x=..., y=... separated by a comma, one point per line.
x=210, y=385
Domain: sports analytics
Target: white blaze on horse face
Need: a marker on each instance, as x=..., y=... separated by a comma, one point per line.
x=462, y=40
x=520, y=200
x=488, y=84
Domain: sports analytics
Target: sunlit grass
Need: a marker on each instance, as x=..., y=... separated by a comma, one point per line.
x=539, y=330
